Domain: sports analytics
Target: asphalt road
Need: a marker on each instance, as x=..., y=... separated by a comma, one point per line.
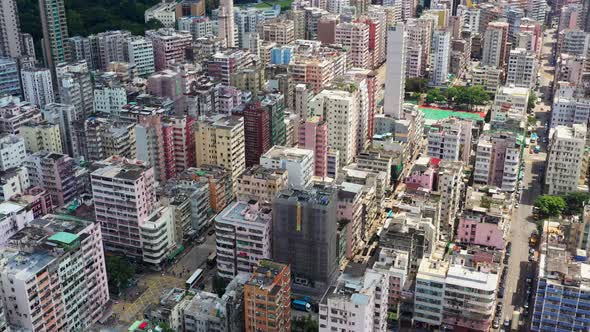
x=522, y=223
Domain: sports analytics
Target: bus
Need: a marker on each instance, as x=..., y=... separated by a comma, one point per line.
x=194, y=279
x=211, y=259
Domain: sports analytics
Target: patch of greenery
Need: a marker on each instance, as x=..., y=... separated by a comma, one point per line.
x=89, y=17
x=119, y=273
x=532, y=100
x=550, y=206
x=304, y=324
x=459, y=97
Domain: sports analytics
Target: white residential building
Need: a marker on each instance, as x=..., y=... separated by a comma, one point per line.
x=494, y=44
x=455, y=296
x=568, y=108
x=37, y=86
x=243, y=237
x=510, y=103
x=13, y=182
x=487, y=76
x=13, y=218
x=450, y=187
x=357, y=302
x=565, y=159
x=395, y=71
x=141, y=54
x=440, y=57
x=299, y=164
x=165, y=12
x=340, y=110
x=450, y=139
x=12, y=151
x=522, y=68
x=109, y=99
x=158, y=235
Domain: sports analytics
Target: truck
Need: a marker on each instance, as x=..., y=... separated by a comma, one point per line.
x=515, y=320
x=303, y=304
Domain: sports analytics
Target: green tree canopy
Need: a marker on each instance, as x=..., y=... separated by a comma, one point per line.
x=575, y=202
x=550, y=206
x=119, y=273
x=304, y=324
x=435, y=96
x=416, y=84
x=532, y=100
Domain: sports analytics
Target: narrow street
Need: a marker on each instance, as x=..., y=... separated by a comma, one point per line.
x=519, y=268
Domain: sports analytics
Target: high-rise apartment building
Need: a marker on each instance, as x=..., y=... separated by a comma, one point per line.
x=10, y=42
x=418, y=46
x=279, y=31
x=395, y=71
x=267, y=296
x=450, y=139
x=256, y=132
x=522, y=68
x=55, y=32
x=220, y=142
x=181, y=129
x=238, y=251
x=226, y=23
x=60, y=263
x=495, y=46
x=313, y=135
x=152, y=146
x=55, y=173
x=76, y=86
x=340, y=110
x=12, y=151
x=510, y=104
x=297, y=162
x=169, y=46
x=124, y=196
x=440, y=58
x=111, y=46
x=305, y=222
x=42, y=137
x=64, y=116
x=355, y=38
x=81, y=49
x=141, y=54
x=568, y=107
x=497, y=160
x=9, y=77
x=37, y=86
x=565, y=159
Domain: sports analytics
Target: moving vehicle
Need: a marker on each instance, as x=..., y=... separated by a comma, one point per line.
x=303, y=304
x=515, y=320
x=212, y=259
x=194, y=279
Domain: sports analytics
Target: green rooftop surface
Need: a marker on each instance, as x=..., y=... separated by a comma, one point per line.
x=438, y=114
x=63, y=237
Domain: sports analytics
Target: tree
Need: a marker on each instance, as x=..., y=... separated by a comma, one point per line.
x=415, y=96
x=304, y=324
x=119, y=273
x=165, y=327
x=550, y=206
x=219, y=285
x=531, y=102
x=435, y=96
x=575, y=202
x=153, y=24
x=416, y=84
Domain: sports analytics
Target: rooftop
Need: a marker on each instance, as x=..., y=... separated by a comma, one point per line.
x=283, y=152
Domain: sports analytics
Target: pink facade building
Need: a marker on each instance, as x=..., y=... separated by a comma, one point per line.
x=124, y=197
x=169, y=46
x=355, y=38
x=313, y=135
x=422, y=175
x=166, y=83
x=55, y=173
x=485, y=218
x=183, y=142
